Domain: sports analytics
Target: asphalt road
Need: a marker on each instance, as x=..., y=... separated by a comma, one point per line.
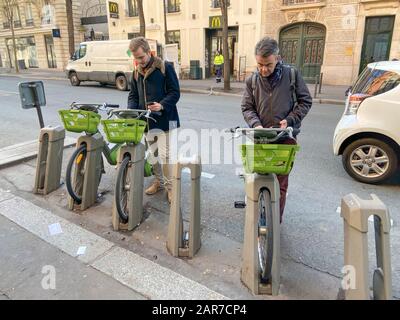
x=312, y=230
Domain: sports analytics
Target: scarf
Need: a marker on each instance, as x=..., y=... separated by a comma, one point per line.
x=276, y=76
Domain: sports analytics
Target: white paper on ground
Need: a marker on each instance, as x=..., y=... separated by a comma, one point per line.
x=81, y=251
x=55, y=229
x=203, y=174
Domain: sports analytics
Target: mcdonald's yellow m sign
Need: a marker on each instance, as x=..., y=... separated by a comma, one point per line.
x=113, y=8
x=215, y=22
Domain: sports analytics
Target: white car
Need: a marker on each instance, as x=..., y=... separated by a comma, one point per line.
x=368, y=134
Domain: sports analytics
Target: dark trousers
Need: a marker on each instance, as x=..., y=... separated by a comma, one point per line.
x=284, y=181
x=218, y=70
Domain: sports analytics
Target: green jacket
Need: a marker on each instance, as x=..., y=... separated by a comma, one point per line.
x=218, y=60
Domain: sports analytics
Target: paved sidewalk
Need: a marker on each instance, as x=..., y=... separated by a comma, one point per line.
x=36, y=243
x=27, y=260
x=329, y=94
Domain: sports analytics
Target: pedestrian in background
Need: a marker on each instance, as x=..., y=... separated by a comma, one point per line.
x=218, y=64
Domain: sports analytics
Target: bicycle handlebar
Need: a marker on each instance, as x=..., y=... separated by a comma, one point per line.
x=134, y=113
x=93, y=106
x=271, y=134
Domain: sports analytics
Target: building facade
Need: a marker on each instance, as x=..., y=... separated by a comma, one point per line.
x=196, y=27
x=41, y=33
x=335, y=37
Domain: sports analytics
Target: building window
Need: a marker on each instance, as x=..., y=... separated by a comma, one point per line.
x=28, y=15
x=133, y=8
x=174, y=6
x=174, y=37
x=133, y=35
x=294, y=2
x=16, y=16
x=217, y=3
x=47, y=14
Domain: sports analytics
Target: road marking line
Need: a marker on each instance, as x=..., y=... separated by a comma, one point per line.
x=203, y=174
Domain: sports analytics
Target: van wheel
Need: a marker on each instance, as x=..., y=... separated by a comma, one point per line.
x=121, y=83
x=370, y=160
x=73, y=78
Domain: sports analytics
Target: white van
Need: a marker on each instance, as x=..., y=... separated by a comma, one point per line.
x=108, y=62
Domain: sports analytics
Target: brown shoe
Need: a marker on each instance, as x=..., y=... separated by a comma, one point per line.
x=169, y=196
x=154, y=188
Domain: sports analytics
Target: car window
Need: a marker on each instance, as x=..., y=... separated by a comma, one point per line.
x=82, y=51
x=374, y=81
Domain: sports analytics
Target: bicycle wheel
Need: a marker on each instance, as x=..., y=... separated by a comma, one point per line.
x=122, y=189
x=76, y=168
x=265, y=235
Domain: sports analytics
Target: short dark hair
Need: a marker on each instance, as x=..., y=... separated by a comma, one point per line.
x=266, y=47
x=139, y=42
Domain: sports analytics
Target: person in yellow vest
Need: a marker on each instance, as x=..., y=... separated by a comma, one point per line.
x=219, y=65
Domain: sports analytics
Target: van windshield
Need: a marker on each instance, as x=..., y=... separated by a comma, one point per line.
x=374, y=81
x=82, y=51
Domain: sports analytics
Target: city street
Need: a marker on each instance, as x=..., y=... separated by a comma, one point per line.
x=312, y=229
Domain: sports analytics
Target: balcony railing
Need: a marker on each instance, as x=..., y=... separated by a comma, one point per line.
x=217, y=3
x=29, y=22
x=294, y=2
x=6, y=25
x=17, y=24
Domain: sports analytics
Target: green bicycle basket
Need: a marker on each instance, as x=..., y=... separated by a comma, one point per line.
x=124, y=130
x=80, y=120
x=268, y=158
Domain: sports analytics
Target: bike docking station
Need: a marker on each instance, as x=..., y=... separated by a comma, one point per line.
x=93, y=167
x=51, y=140
x=135, y=154
x=188, y=243
x=355, y=213
x=250, y=270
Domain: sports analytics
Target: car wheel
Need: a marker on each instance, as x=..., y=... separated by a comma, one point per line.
x=370, y=160
x=121, y=83
x=73, y=78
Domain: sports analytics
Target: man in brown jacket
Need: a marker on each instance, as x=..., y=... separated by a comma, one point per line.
x=275, y=95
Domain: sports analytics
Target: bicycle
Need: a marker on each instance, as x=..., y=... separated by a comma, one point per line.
x=83, y=117
x=265, y=156
x=126, y=129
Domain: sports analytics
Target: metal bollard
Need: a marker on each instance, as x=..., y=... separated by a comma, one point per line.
x=49, y=160
x=250, y=274
x=316, y=86
x=355, y=213
x=320, y=82
x=175, y=243
x=93, y=170
x=135, y=198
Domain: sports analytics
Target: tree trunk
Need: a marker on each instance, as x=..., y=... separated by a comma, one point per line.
x=165, y=21
x=141, y=18
x=14, y=46
x=70, y=24
x=225, y=48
